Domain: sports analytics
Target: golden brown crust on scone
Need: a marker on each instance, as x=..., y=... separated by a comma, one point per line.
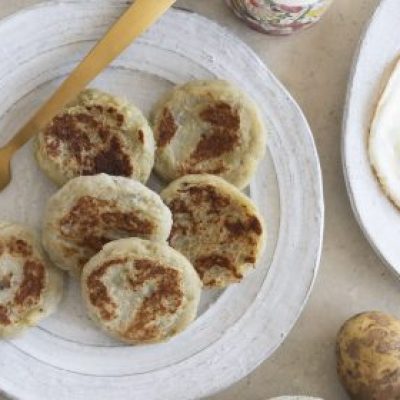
x=78, y=134
x=140, y=291
x=215, y=226
x=96, y=134
x=29, y=287
x=89, y=212
x=87, y=222
x=208, y=127
x=165, y=299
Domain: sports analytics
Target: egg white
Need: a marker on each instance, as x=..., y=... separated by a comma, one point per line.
x=384, y=138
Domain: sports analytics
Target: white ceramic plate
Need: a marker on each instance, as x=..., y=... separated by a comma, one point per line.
x=380, y=47
x=66, y=357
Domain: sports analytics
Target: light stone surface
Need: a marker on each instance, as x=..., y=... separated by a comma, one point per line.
x=314, y=65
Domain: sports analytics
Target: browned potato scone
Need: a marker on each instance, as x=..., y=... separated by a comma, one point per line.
x=216, y=227
x=140, y=291
x=208, y=127
x=97, y=133
x=30, y=288
x=90, y=211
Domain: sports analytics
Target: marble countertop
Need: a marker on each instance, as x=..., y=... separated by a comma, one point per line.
x=314, y=65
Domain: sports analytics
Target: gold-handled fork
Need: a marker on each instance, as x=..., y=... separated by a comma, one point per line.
x=139, y=16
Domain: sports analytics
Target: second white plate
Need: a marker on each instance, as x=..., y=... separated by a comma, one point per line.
x=379, y=50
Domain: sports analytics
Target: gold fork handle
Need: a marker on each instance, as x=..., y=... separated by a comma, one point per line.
x=139, y=16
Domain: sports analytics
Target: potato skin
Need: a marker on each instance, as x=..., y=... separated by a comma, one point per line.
x=368, y=356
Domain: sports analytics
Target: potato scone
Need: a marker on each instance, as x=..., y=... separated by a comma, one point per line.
x=96, y=133
x=30, y=287
x=216, y=227
x=90, y=211
x=140, y=291
x=208, y=127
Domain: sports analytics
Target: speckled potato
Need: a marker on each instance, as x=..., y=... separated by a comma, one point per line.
x=368, y=356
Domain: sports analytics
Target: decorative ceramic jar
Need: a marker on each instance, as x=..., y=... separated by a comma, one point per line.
x=279, y=17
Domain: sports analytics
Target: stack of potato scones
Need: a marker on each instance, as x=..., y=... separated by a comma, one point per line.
x=142, y=258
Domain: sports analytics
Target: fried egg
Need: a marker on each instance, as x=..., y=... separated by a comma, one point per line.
x=384, y=139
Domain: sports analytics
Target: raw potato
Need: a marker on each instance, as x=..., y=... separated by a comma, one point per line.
x=368, y=356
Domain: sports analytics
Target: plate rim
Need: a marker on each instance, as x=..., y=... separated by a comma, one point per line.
x=319, y=189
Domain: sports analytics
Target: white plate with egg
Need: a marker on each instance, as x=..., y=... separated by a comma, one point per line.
x=66, y=357
x=376, y=58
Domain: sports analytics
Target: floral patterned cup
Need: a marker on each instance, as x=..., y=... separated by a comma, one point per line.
x=279, y=17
